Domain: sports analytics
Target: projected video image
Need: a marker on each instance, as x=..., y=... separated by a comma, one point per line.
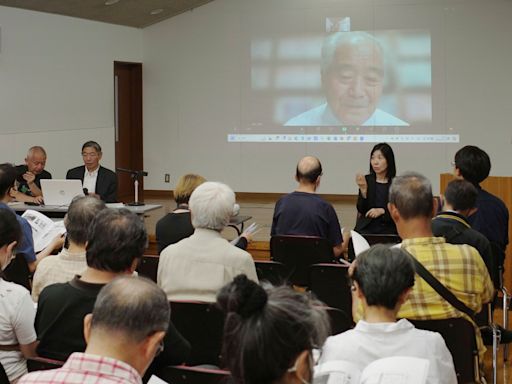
x=357, y=78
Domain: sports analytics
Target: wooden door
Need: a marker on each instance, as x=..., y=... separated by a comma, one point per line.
x=128, y=126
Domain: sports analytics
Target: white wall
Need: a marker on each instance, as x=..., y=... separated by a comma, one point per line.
x=195, y=74
x=56, y=76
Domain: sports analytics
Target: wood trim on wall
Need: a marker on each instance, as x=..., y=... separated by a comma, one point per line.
x=255, y=196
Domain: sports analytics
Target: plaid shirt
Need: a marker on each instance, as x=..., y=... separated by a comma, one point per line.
x=88, y=369
x=459, y=268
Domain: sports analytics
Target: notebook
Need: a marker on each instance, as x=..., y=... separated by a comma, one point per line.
x=60, y=192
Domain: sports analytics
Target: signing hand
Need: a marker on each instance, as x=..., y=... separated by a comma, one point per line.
x=361, y=183
x=375, y=212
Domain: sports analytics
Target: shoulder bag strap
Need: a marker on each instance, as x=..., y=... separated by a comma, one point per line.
x=444, y=292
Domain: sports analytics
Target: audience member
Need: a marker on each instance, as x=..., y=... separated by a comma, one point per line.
x=26, y=243
x=115, y=244
x=17, y=334
x=452, y=224
x=303, y=212
x=491, y=217
x=382, y=281
x=124, y=333
x=71, y=260
x=97, y=181
x=458, y=267
x=177, y=225
x=373, y=215
x=269, y=333
x=197, y=267
x=30, y=175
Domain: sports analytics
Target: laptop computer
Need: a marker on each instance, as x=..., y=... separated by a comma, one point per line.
x=60, y=192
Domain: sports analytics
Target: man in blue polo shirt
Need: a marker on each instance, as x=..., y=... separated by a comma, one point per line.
x=8, y=176
x=303, y=212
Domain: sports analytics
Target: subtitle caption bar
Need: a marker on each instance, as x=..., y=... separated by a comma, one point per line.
x=268, y=138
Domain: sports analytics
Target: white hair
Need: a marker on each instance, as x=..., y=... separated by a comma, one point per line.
x=211, y=205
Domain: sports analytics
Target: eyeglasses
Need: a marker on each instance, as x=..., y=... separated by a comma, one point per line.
x=89, y=154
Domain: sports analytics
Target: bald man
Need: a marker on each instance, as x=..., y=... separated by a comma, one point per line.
x=303, y=212
x=352, y=78
x=30, y=175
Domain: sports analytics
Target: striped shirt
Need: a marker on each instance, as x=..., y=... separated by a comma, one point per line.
x=86, y=369
x=459, y=268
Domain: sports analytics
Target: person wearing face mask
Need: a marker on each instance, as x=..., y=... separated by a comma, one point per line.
x=17, y=312
x=270, y=332
x=372, y=213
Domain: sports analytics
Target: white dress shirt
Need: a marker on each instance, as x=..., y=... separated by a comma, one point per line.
x=368, y=342
x=90, y=180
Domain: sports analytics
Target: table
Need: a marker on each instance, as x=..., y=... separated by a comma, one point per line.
x=238, y=220
x=60, y=210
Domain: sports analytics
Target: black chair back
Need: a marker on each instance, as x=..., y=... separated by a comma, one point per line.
x=331, y=285
x=193, y=375
x=4, y=379
x=298, y=253
x=459, y=336
x=272, y=271
x=42, y=364
x=373, y=239
x=17, y=272
x=148, y=266
x=202, y=324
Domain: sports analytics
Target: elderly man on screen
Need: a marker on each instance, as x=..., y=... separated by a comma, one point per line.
x=124, y=333
x=352, y=79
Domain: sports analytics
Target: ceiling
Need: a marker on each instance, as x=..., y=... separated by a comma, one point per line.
x=133, y=13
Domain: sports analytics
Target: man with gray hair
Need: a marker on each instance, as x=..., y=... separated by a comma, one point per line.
x=197, y=267
x=124, y=333
x=352, y=78
x=71, y=260
x=30, y=175
x=458, y=267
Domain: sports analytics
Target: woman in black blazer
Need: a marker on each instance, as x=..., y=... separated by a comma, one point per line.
x=373, y=215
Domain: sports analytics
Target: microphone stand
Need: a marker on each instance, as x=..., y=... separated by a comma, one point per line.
x=135, y=175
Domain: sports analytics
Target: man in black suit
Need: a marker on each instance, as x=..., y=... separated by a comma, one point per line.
x=97, y=180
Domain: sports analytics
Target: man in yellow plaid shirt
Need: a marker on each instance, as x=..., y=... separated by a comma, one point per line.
x=458, y=267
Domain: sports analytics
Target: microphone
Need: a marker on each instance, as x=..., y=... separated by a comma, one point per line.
x=132, y=172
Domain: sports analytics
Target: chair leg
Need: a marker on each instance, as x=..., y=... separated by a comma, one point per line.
x=496, y=336
x=506, y=300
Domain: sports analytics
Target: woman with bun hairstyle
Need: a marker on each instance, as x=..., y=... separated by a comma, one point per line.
x=270, y=332
x=372, y=212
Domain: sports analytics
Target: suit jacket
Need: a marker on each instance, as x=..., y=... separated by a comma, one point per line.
x=364, y=205
x=106, y=183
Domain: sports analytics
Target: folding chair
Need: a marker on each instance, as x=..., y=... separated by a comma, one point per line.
x=202, y=324
x=298, y=253
x=17, y=272
x=330, y=284
x=148, y=266
x=499, y=259
x=193, y=375
x=272, y=271
x=459, y=336
x=42, y=364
